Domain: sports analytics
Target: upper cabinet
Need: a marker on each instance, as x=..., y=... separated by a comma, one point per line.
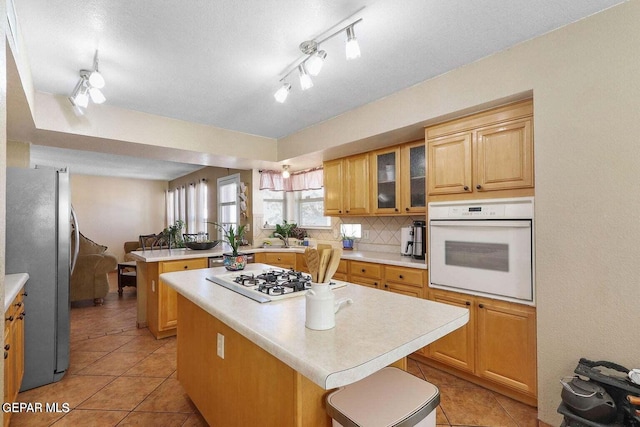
x=489, y=151
x=346, y=186
x=396, y=176
x=399, y=175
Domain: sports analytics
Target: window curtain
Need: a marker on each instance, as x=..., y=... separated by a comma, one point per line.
x=191, y=209
x=170, y=205
x=310, y=179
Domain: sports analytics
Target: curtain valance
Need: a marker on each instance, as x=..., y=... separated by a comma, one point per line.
x=310, y=179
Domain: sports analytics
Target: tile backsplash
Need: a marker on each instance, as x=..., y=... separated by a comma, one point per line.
x=383, y=232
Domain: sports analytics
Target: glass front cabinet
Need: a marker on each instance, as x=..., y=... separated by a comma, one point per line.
x=399, y=179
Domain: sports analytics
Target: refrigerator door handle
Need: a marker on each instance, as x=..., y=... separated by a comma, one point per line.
x=76, y=239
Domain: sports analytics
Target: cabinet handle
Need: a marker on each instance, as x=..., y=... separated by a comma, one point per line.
x=481, y=305
x=279, y=259
x=396, y=209
x=386, y=286
x=363, y=270
x=24, y=294
x=18, y=304
x=467, y=303
x=186, y=267
x=466, y=188
x=406, y=209
x=400, y=276
x=6, y=354
x=347, y=211
x=375, y=284
x=339, y=211
x=22, y=315
x=7, y=347
x=478, y=187
x=10, y=318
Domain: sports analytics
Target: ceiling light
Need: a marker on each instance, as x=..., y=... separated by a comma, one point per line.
x=315, y=62
x=282, y=93
x=285, y=171
x=305, y=79
x=91, y=81
x=352, y=47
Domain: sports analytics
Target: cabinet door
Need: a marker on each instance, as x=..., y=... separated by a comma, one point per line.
x=366, y=281
x=357, y=196
x=450, y=164
x=504, y=156
x=385, y=166
x=507, y=344
x=400, y=288
x=333, y=187
x=413, y=183
x=456, y=349
x=168, y=297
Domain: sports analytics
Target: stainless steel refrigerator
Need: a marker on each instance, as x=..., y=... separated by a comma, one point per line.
x=38, y=235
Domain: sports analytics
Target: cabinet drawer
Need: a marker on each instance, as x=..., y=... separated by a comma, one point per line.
x=184, y=264
x=365, y=281
x=366, y=269
x=405, y=276
x=281, y=259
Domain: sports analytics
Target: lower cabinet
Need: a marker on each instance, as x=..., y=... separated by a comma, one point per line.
x=13, y=350
x=497, y=347
x=278, y=259
x=401, y=280
x=162, y=305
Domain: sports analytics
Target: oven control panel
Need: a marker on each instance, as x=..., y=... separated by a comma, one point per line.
x=496, y=211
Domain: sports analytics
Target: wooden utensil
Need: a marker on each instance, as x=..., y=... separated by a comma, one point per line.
x=313, y=263
x=325, y=256
x=322, y=246
x=334, y=262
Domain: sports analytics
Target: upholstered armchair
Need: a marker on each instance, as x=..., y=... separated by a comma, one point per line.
x=90, y=279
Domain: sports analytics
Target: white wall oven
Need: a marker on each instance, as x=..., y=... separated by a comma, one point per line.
x=483, y=247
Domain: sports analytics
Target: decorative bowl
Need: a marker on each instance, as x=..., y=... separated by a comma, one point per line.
x=199, y=246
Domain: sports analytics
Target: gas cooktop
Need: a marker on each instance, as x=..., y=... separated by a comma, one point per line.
x=268, y=285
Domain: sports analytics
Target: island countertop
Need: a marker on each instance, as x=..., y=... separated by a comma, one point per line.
x=379, y=328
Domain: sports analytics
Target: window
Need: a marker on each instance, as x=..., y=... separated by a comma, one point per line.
x=228, y=211
x=274, y=204
x=310, y=208
x=305, y=208
x=188, y=204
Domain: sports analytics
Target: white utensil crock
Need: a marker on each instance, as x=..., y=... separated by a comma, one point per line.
x=321, y=307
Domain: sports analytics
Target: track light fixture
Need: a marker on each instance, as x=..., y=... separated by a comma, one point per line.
x=285, y=171
x=313, y=60
x=91, y=81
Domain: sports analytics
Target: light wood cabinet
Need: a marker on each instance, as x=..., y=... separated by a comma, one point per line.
x=162, y=308
x=385, y=172
x=486, y=152
x=404, y=280
x=413, y=179
x=401, y=280
x=497, y=346
x=13, y=350
x=278, y=259
x=366, y=274
x=342, y=273
x=346, y=186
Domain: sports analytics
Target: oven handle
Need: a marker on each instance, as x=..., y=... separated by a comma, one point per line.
x=482, y=223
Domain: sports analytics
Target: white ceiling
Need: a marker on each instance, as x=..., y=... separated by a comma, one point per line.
x=219, y=62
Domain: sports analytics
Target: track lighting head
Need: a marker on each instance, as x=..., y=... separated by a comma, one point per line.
x=282, y=93
x=315, y=62
x=91, y=81
x=305, y=79
x=352, y=46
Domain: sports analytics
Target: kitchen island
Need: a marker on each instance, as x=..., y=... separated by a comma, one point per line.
x=246, y=363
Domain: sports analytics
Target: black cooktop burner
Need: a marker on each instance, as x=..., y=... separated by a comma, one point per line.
x=276, y=282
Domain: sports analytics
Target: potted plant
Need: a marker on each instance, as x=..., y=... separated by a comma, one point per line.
x=234, y=237
x=172, y=235
x=347, y=242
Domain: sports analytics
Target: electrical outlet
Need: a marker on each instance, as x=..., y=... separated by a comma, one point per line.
x=365, y=234
x=220, y=345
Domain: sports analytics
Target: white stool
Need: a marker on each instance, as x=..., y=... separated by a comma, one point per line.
x=389, y=397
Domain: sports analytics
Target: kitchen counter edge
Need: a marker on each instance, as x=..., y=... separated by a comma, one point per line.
x=12, y=285
x=395, y=259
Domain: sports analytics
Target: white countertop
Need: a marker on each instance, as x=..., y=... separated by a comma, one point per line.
x=379, y=328
x=12, y=285
x=157, y=255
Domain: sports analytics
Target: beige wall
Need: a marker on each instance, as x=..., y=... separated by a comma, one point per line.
x=585, y=80
x=3, y=169
x=18, y=154
x=112, y=211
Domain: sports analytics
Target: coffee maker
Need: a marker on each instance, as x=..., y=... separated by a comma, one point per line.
x=418, y=237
